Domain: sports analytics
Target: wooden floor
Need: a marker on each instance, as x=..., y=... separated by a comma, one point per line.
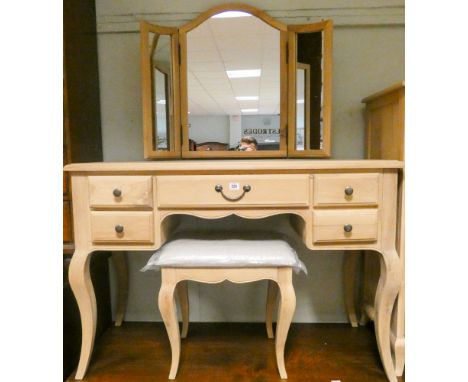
x=140, y=352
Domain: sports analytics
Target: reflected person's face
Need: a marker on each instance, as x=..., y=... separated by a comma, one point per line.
x=247, y=147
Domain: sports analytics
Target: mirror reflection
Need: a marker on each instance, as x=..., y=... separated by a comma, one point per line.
x=233, y=84
x=161, y=80
x=309, y=91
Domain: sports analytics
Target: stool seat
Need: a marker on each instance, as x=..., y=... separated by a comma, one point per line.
x=226, y=253
x=215, y=260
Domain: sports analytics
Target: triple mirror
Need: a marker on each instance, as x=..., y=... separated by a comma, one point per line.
x=236, y=83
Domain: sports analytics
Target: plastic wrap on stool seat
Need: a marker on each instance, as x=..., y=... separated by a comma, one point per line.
x=217, y=250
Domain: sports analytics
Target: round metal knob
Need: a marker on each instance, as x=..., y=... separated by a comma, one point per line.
x=348, y=190
x=119, y=228
x=218, y=188
x=247, y=188
x=117, y=192
x=348, y=227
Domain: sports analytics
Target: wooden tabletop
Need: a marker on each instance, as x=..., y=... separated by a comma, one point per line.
x=252, y=165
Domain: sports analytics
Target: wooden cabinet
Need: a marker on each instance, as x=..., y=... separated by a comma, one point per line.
x=385, y=118
x=81, y=107
x=81, y=143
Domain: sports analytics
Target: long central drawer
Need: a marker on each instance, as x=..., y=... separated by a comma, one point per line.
x=228, y=191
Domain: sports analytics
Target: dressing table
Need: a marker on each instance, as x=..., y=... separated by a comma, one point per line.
x=134, y=206
x=332, y=204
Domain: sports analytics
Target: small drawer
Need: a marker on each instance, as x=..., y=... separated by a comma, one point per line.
x=346, y=189
x=120, y=191
x=345, y=225
x=225, y=191
x=122, y=226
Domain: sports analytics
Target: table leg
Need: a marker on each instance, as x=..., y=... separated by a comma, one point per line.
x=386, y=294
x=167, y=308
x=119, y=259
x=82, y=287
x=349, y=280
x=182, y=294
x=286, y=310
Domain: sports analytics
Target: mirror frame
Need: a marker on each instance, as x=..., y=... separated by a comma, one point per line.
x=179, y=134
x=146, y=47
x=282, y=152
x=327, y=28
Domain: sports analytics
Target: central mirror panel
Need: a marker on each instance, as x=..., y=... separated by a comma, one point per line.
x=234, y=87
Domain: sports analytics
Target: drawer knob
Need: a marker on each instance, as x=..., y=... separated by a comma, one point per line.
x=117, y=193
x=348, y=190
x=348, y=227
x=119, y=228
x=246, y=188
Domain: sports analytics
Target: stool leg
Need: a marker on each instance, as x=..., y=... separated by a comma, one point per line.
x=168, y=312
x=272, y=296
x=182, y=293
x=286, y=311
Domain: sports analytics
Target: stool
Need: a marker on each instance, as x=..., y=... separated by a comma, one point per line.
x=275, y=264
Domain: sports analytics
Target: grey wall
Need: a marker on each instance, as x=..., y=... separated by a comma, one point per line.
x=206, y=128
x=368, y=52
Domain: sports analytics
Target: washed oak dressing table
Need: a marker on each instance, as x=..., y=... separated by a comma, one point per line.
x=333, y=205
x=128, y=207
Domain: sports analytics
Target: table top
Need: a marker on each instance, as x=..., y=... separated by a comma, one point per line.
x=230, y=165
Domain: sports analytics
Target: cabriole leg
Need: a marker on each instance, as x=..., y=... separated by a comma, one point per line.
x=167, y=308
x=182, y=294
x=286, y=310
x=387, y=291
x=82, y=287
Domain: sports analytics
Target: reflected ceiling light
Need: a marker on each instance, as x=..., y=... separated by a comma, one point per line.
x=300, y=101
x=247, y=98
x=162, y=102
x=249, y=110
x=230, y=14
x=244, y=73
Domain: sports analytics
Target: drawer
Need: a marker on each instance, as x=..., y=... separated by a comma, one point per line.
x=329, y=225
x=198, y=191
x=136, y=227
x=346, y=189
x=120, y=191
